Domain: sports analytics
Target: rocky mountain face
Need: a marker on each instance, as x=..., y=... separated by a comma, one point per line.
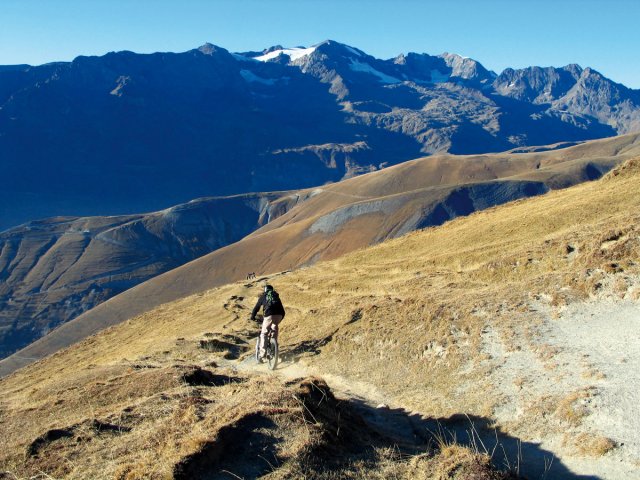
x=55, y=269
x=127, y=132
x=582, y=92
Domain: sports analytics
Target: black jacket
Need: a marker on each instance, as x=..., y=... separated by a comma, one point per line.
x=277, y=309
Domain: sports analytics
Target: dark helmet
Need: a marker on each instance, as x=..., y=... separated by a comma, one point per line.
x=267, y=288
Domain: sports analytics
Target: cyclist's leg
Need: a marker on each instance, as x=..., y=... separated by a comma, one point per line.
x=266, y=324
x=275, y=322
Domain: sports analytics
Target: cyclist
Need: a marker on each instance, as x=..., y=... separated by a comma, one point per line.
x=273, y=314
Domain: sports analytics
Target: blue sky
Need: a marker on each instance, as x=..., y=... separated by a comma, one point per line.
x=603, y=34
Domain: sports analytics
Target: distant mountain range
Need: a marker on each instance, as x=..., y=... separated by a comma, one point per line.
x=126, y=132
x=55, y=270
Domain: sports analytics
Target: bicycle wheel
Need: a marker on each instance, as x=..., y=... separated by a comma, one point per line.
x=273, y=357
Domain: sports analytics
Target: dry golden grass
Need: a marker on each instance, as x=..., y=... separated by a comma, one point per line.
x=186, y=423
x=405, y=317
x=590, y=445
x=453, y=462
x=573, y=408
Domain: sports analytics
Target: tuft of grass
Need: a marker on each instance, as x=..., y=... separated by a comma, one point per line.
x=572, y=409
x=593, y=445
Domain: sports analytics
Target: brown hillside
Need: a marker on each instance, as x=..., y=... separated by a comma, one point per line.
x=55, y=269
x=409, y=321
x=332, y=220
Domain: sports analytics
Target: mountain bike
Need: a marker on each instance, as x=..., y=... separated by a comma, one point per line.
x=271, y=349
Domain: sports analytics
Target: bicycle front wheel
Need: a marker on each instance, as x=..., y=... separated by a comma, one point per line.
x=273, y=358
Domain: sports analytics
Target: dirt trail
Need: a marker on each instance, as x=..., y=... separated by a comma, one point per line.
x=585, y=367
x=377, y=409
x=413, y=430
x=407, y=428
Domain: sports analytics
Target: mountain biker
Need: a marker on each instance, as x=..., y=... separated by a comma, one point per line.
x=273, y=309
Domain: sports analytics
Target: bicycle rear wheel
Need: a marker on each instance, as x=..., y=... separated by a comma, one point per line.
x=273, y=356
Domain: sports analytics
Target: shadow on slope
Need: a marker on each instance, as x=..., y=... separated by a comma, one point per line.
x=346, y=438
x=413, y=431
x=160, y=426
x=412, y=434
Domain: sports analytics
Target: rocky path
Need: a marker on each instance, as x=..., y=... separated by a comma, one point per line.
x=573, y=384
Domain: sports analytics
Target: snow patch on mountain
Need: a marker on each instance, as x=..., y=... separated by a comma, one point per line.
x=358, y=66
x=293, y=53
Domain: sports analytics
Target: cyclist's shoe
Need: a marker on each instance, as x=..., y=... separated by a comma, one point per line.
x=262, y=354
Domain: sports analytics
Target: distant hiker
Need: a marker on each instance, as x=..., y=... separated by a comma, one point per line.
x=273, y=313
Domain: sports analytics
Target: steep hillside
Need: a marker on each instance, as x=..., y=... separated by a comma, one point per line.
x=500, y=316
x=326, y=222
x=53, y=270
x=126, y=132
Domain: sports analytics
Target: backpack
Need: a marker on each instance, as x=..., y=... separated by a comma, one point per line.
x=271, y=299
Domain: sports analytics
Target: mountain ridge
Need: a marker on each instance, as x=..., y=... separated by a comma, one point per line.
x=126, y=132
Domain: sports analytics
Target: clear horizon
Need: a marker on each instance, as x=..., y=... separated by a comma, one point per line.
x=593, y=33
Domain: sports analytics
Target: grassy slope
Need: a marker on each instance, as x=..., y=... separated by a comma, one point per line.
x=287, y=243
x=468, y=256
x=405, y=316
